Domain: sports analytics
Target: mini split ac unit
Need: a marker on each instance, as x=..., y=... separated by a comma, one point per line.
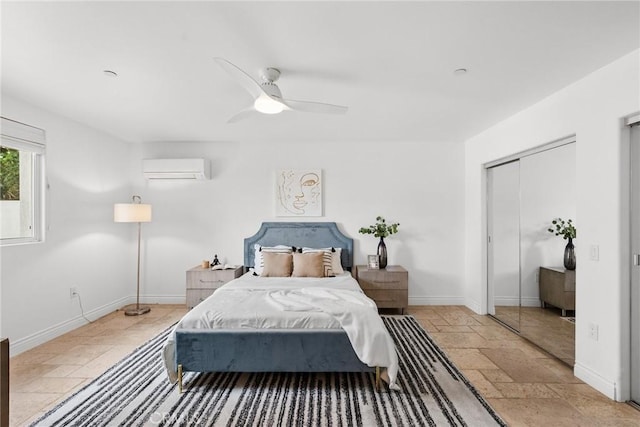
x=176, y=168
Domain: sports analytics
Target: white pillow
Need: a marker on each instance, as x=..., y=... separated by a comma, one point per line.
x=336, y=261
x=258, y=262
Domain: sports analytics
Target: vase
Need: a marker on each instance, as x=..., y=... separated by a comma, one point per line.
x=382, y=253
x=570, y=256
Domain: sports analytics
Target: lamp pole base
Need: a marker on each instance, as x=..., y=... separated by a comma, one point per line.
x=136, y=311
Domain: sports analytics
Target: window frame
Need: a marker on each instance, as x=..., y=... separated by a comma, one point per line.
x=26, y=138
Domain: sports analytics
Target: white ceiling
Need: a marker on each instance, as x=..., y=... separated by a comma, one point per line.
x=391, y=63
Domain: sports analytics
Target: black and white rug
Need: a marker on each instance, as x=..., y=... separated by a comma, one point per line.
x=136, y=392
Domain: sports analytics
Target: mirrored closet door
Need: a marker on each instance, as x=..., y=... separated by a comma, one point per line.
x=529, y=289
x=503, y=269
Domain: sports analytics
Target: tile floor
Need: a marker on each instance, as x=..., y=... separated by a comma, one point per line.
x=524, y=384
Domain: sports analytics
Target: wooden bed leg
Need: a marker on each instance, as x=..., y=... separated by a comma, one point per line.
x=377, y=378
x=180, y=378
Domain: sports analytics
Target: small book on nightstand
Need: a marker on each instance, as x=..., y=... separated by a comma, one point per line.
x=224, y=267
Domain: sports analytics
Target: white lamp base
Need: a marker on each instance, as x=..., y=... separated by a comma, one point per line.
x=136, y=311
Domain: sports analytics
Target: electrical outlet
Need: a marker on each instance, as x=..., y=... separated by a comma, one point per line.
x=73, y=292
x=593, y=331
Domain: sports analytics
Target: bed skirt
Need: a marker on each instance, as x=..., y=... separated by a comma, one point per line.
x=266, y=350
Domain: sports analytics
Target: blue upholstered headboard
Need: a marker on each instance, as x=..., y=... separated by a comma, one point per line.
x=300, y=234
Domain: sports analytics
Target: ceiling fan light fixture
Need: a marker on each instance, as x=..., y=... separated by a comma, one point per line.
x=267, y=105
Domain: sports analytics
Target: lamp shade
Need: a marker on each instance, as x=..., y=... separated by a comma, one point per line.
x=131, y=212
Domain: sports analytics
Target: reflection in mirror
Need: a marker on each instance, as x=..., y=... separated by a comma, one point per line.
x=547, y=189
x=503, y=198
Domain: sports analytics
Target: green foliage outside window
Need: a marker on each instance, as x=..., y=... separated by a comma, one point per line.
x=9, y=174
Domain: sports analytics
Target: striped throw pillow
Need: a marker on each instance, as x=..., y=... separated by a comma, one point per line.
x=327, y=259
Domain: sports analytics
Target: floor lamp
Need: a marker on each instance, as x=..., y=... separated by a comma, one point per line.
x=134, y=212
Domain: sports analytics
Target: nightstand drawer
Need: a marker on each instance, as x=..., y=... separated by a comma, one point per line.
x=196, y=296
x=391, y=278
x=382, y=284
x=199, y=278
x=388, y=298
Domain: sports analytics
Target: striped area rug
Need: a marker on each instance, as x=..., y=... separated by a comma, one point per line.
x=136, y=392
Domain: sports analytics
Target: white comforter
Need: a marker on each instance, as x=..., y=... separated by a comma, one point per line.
x=295, y=303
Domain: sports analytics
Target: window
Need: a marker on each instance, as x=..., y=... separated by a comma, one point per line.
x=21, y=183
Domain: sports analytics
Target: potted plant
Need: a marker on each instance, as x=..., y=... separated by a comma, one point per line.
x=568, y=231
x=381, y=229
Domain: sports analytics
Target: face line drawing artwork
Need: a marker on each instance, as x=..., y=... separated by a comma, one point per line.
x=299, y=193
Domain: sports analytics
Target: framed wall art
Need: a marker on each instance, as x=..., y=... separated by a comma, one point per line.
x=299, y=192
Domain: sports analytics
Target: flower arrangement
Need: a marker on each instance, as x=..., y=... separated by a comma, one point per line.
x=380, y=228
x=561, y=228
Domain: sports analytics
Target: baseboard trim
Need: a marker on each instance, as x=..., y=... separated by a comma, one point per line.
x=23, y=344
x=436, y=301
x=161, y=299
x=595, y=380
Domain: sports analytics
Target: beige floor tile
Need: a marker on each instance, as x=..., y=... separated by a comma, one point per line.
x=496, y=376
x=520, y=367
x=494, y=332
x=592, y=403
x=25, y=405
x=561, y=369
x=450, y=328
x=427, y=325
x=525, y=390
x=479, y=381
x=459, y=340
x=26, y=373
x=460, y=318
x=49, y=385
x=31, y=358
x=469, y=358
x=539, y=413
x=70, y=359
x=62, y=371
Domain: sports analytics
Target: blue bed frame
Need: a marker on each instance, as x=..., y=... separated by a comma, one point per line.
x=275, y=350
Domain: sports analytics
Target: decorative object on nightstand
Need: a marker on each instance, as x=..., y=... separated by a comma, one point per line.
x=373, y=262
x=134, y=212
x=202, y=282
x=215, y=261
x=568, y=232
x=381, y=229
x=389, y=288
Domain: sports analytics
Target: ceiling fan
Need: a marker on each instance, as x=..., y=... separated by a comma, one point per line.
x=267, y=96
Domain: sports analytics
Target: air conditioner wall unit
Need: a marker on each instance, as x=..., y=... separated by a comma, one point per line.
x=176, y=169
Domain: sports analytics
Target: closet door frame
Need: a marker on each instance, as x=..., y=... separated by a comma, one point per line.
x=634, y=247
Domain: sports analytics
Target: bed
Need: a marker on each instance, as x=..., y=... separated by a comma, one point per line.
x=218, y=336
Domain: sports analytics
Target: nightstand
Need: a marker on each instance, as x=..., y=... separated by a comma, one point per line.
x=388, y=287
x=202, y=282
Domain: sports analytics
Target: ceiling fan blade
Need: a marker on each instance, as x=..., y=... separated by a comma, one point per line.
x=247, y=112
x=315, y=107
x=244, y=79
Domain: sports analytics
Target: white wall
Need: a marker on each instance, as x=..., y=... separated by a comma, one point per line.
x=87, y=171
x=419, y=184
x=592, y=109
